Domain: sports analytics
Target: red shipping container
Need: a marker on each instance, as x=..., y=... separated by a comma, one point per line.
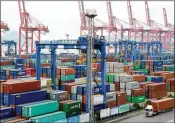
x=66, y=71
x=111, y=104
x=117, y=86
x=20, y=86
x=144, y=83
x=1, y=81
x=62, y=102
x=68, y=87
x=139, y=78
x=138, y=92
x=120, y=98
x=4, y=63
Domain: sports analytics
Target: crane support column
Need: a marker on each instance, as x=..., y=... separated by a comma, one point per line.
x=38, y=60
x=103, y=68
x=53, y=67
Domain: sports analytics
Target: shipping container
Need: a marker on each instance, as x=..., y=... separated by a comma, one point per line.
x=61, y=121
x=84, y=118
x=104, y=113
x=124, y=108
x=72, y=113
x=75, y=119
x=162, y=104
x=120, y=98
x=70, y=106
x=51, y=117
x=132, y=85
x=6, y=112
x=40, y=108
x=20, y=86
x=19, y=107
x=57, y=95
x=114, y=111
x=27, y=97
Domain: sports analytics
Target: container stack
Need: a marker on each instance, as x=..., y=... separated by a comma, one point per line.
x=157, y=90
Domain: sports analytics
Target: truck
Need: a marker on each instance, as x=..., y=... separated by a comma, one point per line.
x=158, y=106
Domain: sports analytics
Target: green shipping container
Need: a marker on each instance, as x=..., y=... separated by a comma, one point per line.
x=7, y=67
x=49, y=118
x=61, y=121
x=67, y=77
x=129, y=99
x=138, y=99
x=168, y=87
x=111, y=78
x=124, y=108
x=148, y=78
x=72, y=113
x=39, y=109
x=136, y=67
x=97, y=115
x=146, y=71
x=71, y=106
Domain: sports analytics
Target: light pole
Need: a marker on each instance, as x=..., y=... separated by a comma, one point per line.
x=91, y=14
x=67, y=35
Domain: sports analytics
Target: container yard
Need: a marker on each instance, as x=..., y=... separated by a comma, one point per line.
x=114, y=71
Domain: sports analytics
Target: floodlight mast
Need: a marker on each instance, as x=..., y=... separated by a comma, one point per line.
x=91, y=14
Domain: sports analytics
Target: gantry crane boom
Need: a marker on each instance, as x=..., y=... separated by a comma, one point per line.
x=28, y=25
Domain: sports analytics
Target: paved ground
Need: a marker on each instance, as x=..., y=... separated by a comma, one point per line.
x=163, y=117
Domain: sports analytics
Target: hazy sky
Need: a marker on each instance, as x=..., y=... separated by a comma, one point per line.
x=63, y=17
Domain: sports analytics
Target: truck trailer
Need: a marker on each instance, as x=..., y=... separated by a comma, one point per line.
x=158, y=106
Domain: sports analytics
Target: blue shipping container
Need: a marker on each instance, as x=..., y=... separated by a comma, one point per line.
x=73, y=96
x=1, y=98
x=6, y=112
x=75, y=119
x=27, y=97
x=157, y=79
x=6, y=100
x=96, y=107
x=19, y=107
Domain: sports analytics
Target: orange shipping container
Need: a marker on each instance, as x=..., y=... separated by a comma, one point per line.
x=66, y=71
x=139, y=78
x=162, y=104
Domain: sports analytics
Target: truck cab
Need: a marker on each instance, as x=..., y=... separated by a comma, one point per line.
x=149, y=111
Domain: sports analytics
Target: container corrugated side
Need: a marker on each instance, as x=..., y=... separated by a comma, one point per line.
x=39, y=109
x=124, y=108
x=51, y=117
x=84, y=118
x=114, y=111
x=104, y=113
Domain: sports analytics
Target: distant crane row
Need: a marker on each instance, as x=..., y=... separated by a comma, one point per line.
x=119, y=29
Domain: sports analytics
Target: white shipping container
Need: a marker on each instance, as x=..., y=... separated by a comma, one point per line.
x=111, y=96
x=116, y=78
x=122, y=85
x=79, y=98
x=105, y=113
x=98, y=99
x=132, y=85
x=111, y=65
x=122, y=90
x=84, y=118
x=107, y=64
x=128, y=92
x=107, y=70
x=126, y=78
x=74, y=89
x=114, y=111
x=44, y=82
x=112, y=87
x=111, y=70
